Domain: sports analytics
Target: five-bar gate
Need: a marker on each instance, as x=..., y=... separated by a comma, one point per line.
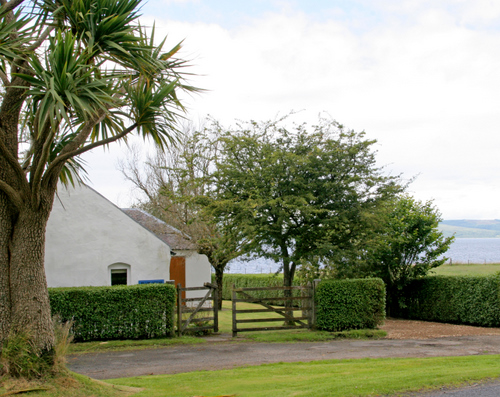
x=193, y=306
x=302, y=302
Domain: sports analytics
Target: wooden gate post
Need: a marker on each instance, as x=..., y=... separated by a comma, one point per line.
x=235, y=330
x=307, y=304
x=179, y=309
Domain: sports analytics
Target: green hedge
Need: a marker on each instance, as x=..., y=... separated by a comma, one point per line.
x=253, y=281
x=119, y=312
x=350, y=304
x=452, y=299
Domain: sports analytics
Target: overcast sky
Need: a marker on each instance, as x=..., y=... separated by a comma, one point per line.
x=421, y=77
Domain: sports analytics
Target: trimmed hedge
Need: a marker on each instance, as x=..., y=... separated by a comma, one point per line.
x=119, y=312
x=350, y=304
x=454, y=299
x=253, y=281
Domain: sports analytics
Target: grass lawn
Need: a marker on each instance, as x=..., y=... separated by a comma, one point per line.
x=63, y=385
x=335, y=378
x=364, y=377
x=476, y=269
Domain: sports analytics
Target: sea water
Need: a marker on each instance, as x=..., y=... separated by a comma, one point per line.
x=463, y=250
x=474, y=250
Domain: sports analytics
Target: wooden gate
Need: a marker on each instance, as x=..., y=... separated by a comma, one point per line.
x=193, y=306
x=305, y=319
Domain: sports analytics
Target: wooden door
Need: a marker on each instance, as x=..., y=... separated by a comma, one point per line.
x=178, y=272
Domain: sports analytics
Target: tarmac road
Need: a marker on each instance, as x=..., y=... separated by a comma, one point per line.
x=222, y=353
x=486, y=389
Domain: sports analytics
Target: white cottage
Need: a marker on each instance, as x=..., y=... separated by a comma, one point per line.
x=91, y=242
x=187, y=267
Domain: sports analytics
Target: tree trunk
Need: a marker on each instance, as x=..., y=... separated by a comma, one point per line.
x=30, y=307
x=288, y=273
x=9, y=121
x=5, y=236
x=219, y=274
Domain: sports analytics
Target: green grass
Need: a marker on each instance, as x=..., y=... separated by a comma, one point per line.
x=461, y=269
x=363, y=377
x=119, y=345
x=64, y=385
x=335, y=378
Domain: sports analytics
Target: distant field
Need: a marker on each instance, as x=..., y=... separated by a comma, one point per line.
x=467, y=269
x=470, y=228
x=467, y=232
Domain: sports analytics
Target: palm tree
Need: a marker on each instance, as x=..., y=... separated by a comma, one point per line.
x=76, y=75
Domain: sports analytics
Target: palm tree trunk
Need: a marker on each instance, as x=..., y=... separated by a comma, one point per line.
x=30, y=307
x=5, y=235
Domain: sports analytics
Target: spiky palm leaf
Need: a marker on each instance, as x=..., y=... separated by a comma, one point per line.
x=99, y=68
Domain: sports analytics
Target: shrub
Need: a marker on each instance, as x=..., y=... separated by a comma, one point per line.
x=473, y=300
x=350, y=304
x=119, y=312
x=21, y=359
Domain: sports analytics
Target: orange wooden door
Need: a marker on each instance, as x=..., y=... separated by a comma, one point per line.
x=178, y=271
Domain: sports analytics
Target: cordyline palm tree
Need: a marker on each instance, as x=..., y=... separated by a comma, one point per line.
x=76, y=75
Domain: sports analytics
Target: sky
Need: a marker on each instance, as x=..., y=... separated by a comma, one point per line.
x=421, y=77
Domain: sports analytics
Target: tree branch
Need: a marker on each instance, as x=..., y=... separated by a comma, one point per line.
x=6, y=7
x=59, y=160
x=112, y=139
x=11, y=160
x=56, y=165
x=82, y=136
x=4, y=78
x=42, y=38
x=37, y=176
x=12, y=194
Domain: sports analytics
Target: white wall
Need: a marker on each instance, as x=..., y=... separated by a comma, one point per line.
x=197, y=271
x=86, y=234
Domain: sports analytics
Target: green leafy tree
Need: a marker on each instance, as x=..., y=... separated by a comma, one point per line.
x=298, y=195
x=75, y=75
x=177, y=183
x=407, y=245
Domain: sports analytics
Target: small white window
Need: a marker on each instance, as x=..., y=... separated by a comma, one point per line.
x=119, y=274
x=119, y=277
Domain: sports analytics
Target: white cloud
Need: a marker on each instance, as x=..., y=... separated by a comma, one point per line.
x=423, y=83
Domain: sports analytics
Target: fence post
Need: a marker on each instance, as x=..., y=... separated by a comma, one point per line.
x=307, y=304
x=215, y=302
x=235, y=330
x=179, y=309
x=313, y=301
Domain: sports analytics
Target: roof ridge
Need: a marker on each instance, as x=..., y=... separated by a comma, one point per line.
x=169, y=234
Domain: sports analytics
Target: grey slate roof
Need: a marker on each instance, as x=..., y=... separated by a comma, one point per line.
x=170, y=235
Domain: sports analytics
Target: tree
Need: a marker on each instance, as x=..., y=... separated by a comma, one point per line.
x=75, y=75
x=408, y=245
x=295, y=195
x=177, y=184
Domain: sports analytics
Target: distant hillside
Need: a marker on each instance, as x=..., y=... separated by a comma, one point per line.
x=469, y=228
